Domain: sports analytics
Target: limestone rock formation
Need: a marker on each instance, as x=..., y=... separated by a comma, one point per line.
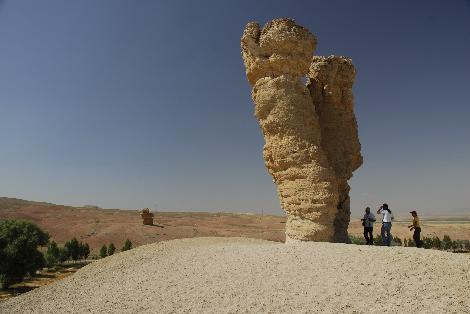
x=330, y=81
x=311, y=177
x=147, y=217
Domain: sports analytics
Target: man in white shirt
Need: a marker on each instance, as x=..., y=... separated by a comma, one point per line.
x=368, y=223
x=387, y=218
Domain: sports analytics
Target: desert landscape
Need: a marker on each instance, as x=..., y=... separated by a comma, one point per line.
x=148, y=104
x=97, y=226
x=240, y=275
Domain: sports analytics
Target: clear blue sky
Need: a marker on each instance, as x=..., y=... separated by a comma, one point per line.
x=131, y=104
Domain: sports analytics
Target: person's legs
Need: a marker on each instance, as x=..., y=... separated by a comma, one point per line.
x=366, y=236
x=371, y=236
x=382, y=233
x=417, y=237
x=390, y=237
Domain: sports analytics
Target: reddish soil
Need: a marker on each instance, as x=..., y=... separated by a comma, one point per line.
x=102, y=226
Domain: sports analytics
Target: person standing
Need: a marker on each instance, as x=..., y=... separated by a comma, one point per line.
x=417, y=229
x=387, y=217
x=368, y=223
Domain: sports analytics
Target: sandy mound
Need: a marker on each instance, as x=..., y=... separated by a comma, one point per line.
x=227, y=275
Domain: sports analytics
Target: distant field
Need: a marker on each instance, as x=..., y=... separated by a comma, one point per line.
x=101, y=226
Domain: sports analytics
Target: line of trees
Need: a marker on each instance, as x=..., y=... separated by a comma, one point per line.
x=72, y=250
x=111, y=248
x=433, y=242
x=20, y=255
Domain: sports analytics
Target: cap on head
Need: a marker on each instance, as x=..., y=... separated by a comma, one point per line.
x=413, y=212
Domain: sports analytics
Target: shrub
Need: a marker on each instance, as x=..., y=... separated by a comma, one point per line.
x=127, y=245
x=378, y=240
x=356, y=240
x=397, y=241
x=436, y=243
x=103, y=251
x=19, y=256
x=111, y=249
x=446, y=242
x=427, y=242
x=467, y=244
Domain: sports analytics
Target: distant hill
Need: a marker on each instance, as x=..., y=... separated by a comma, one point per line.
x=98, y=226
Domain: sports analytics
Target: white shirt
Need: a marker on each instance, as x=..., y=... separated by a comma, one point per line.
x=387, y=217
x=369, y=220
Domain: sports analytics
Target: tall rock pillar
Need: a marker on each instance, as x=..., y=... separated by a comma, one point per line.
x=330, y=81
x=276, y=59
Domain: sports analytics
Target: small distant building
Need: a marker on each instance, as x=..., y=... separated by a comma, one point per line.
x=147, y=217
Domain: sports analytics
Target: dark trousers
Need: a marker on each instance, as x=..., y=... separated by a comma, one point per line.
x=417, y=237
x=368, y=235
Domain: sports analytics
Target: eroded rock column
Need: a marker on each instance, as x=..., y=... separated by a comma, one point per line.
x=330, y=82
x=276, y=58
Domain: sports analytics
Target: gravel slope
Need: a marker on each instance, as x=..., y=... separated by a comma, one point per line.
x=231, y=275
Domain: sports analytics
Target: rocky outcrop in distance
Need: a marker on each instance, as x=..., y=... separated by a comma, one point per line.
x=310, y=131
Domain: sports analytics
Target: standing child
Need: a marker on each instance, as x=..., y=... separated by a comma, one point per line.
x=417, y=229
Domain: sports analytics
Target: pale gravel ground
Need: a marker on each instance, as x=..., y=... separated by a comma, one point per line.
x=237, y=275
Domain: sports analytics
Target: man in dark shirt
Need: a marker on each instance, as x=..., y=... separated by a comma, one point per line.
x=368, y=223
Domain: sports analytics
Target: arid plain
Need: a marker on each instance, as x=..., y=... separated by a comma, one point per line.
x=103, y=226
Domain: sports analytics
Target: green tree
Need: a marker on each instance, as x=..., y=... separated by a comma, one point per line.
x=127, y=245
x=103, y=251
x=52, y=254
x=84, y=250
x=446, y=242
x=73, y=248
x=111, y=249
x=63, y=254
x=19, y=255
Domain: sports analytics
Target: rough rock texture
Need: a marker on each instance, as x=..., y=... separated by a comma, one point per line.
x=311, y=184
x=330, y=82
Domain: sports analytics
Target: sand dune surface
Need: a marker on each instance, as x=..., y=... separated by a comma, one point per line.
x=240, y=275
